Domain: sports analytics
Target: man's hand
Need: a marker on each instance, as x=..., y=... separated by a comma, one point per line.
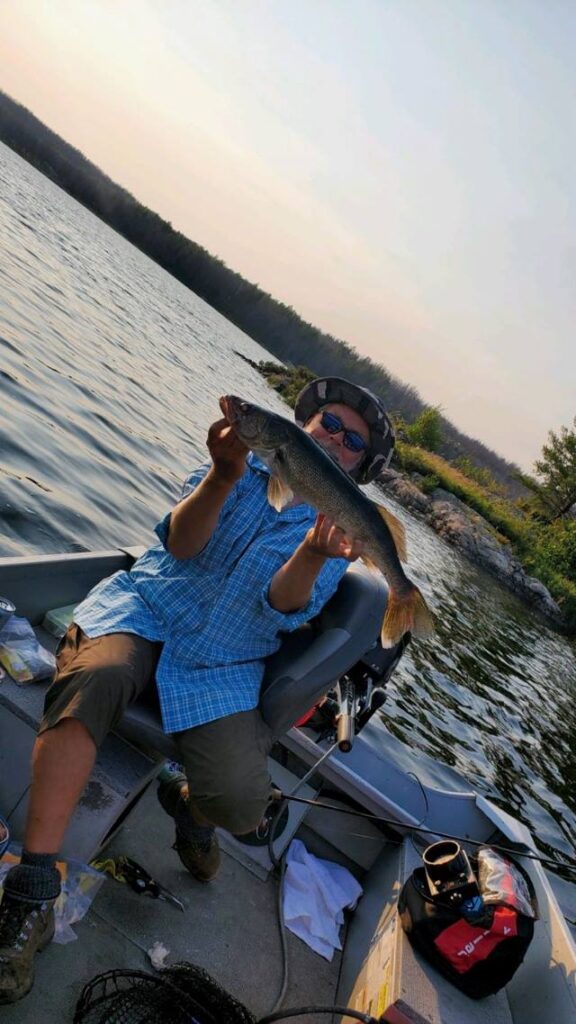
x=195, y=518
x=329, y=541
x=292, y=585
x=227, y=450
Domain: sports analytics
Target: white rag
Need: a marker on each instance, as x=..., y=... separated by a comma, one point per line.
x=315, y=894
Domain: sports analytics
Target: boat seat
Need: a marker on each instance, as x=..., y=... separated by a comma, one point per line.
x=304, y=668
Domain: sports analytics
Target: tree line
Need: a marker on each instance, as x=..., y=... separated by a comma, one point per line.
x=273, y=324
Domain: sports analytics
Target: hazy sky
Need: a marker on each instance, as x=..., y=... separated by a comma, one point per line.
x=402, y=172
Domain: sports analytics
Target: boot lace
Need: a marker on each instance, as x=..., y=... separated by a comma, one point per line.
x=195, y=837
x=17, y=920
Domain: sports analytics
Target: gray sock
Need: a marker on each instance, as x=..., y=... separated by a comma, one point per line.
x=35, y=879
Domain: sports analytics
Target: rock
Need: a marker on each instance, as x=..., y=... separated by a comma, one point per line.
x=541, y=597
x=439, y=494
x=405, y=492
x=389, y=474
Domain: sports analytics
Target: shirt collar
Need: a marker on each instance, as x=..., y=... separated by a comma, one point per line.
x=256, y=464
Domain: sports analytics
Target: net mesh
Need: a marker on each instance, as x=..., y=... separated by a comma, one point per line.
x=180, y=994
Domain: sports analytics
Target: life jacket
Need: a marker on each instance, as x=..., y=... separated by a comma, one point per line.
x=478, y=956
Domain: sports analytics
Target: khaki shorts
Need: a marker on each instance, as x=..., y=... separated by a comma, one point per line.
x=225, y=761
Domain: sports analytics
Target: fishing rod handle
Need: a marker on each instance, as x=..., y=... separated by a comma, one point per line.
x=346, y=722
x=345, y=733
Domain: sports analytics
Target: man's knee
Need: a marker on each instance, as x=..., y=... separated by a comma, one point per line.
x=227, y=768
x=236, y=812
x=234, y=799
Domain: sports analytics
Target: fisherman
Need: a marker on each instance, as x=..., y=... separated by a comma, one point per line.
x=197, y=614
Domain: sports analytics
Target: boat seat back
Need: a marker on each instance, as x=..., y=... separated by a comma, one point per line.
x=312, y=658
x=304, y=668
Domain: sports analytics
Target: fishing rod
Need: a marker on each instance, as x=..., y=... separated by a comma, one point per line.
x=279, y=796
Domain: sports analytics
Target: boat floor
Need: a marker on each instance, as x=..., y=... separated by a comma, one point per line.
x=229, y=927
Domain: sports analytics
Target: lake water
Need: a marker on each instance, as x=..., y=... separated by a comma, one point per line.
x=110, y=372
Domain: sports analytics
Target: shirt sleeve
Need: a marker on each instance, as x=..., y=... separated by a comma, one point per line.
x=190, y=484
x=325, y=587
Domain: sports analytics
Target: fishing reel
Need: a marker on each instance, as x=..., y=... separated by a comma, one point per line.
x=357, y=695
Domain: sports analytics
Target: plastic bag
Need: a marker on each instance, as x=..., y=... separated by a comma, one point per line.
x=502, y=882
x=4, y=835
x=21, y=654
x=80, y=884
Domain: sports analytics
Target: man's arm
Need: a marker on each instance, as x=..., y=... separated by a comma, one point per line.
x=292, y=585
x=195, y=518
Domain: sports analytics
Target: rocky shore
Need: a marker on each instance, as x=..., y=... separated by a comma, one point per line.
x=467, y=531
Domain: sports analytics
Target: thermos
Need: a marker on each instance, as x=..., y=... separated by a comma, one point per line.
x=449, y=874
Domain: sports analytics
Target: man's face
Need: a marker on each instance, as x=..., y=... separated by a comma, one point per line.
x=334, y=443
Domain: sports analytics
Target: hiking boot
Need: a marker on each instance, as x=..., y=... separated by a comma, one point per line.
x=200, y=854
x=196, y=845
x=25, y=929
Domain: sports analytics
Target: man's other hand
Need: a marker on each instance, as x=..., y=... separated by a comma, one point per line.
x=328, y=540
x=228, y=452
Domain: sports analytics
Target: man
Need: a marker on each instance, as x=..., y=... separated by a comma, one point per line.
x=196, y=616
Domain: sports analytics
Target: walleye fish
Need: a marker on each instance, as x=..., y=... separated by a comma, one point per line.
x=299, y=466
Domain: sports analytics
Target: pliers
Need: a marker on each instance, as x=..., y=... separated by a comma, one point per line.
x=124, y=869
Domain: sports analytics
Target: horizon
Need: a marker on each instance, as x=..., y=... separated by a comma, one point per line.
x=440, y=223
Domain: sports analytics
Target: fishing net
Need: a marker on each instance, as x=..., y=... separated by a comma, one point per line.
x=181, y=994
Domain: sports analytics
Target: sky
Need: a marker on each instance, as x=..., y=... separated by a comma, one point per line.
x=401, y=172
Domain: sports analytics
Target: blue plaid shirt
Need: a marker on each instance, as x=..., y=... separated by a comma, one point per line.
x=211, y=612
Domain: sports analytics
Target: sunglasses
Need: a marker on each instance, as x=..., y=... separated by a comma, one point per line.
x=332, y=424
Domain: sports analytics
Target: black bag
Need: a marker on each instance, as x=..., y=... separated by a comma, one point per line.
x=478, y=958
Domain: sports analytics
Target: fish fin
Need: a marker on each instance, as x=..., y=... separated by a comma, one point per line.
x=405, y=614
x=369, y=563
x=396, y=529
x=279, y=494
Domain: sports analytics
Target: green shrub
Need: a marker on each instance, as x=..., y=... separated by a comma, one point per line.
x=429, y=483
x=426, y=430
x=287, y=381
x=555, y=549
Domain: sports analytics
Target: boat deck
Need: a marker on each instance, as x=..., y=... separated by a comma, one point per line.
x=229, y=927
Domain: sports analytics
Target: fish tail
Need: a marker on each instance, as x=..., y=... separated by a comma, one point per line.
x=405, y=613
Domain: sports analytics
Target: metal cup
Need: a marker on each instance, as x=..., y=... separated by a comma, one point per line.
x=7, y=610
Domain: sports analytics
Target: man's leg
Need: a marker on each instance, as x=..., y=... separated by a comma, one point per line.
x=95, y=681
x=227, y=784
x=62, y=760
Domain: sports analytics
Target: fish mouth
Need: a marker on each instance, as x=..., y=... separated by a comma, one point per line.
x=233, y=408
x=245, y=418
